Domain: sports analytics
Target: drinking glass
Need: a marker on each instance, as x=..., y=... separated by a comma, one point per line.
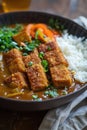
x=15, y=5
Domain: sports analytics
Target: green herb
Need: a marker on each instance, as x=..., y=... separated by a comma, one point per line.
x=45, y=65
x=20, y=48
x=30, y=63
x=48, y=48
x=55, y=24
x=51, y=91
x=25, y=54
x=64, y=92
x=36, y=98
x=37, y=34
x=17, y=28
x=46, y=92
x=6, y=41
x=41, y=55
x=50, y=87
x=30, y=46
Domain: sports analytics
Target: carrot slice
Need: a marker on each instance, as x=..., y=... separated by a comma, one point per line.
x=44, y=28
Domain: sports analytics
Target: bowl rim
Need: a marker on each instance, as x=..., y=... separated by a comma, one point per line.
x=51, y=99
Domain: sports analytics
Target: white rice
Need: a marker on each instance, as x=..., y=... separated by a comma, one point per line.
x=75, y=51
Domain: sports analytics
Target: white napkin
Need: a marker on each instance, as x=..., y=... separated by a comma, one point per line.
x=72, y=116
x=81, y=21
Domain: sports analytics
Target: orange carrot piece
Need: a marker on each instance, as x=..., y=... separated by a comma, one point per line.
x=44, y=28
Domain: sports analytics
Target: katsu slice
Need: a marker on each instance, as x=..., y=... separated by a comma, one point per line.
x=11, y=55
x=55, y=57
x=61, y=76
x=32, y=58
x=16, y=80
x=37, y=77
x=23, y=36
x=17, y=65
x=47, y=47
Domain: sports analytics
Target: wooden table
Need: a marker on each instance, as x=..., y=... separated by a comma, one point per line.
x=10, y=120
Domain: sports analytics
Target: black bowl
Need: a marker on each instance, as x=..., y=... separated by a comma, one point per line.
x=35, y=17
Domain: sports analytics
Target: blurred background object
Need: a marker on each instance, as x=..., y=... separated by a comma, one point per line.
x=67, y=8
x=15, y=5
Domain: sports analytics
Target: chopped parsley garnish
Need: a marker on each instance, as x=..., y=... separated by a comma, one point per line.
x=64, y=92
x=25, y=54
x=37, y=34
x=30, y=46
x=17, y=28
x=36, y=98
x=45, y=65
x=51, y=91
x=48, y=48
x=6, y=41
x=41, y=55
x=55, y=24
x=30, y=63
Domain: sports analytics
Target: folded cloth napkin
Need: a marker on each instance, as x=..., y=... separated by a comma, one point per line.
x=72, y=116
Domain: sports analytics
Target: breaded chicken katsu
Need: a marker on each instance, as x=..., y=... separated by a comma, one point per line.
x=37, y=77
x=12, y=55
x=60, y=76
x=49, y=46
x=55, y=57
x=14, y=61
x=35, y=71
x=17, y=65
x=32, y=58
x=16, y=80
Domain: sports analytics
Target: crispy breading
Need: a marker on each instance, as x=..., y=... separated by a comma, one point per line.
x=61, y=76
x=11, y=55
x=22, y=36
x=55, y=57
x=16, y=65
x=47, y=47
x=37, y=77
x=16, y=80
x=32, y=57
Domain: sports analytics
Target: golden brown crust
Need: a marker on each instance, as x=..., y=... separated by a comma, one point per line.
x=16, y=65
x=37, y=77
x=47, y=47
x=16, y=80
x=61, y=76
x=11, y=55
x=55, y=57
x=32, y=57
x=22, y=36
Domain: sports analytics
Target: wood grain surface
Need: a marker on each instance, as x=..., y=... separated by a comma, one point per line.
x=10, y=120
